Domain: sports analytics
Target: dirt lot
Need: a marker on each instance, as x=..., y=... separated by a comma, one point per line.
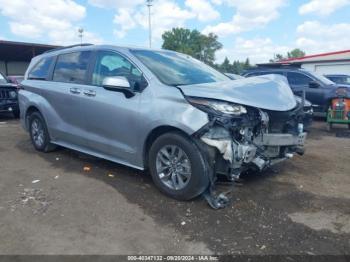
x=49, y=205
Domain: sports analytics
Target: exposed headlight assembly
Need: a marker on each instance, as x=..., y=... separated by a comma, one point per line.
x=218, y=106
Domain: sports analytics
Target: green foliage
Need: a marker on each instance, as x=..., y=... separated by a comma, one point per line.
x=202, y=47
x=193, y=43
x=236, y=67
x=295, y=53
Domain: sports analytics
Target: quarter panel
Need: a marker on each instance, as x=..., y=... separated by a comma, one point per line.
x=163, y=105
x=28, y=99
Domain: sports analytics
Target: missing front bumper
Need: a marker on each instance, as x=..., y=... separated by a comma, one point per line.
x=280, y=140
x=265, y=150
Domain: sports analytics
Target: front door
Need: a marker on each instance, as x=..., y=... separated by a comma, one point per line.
x=314, y=93
x=112, y=119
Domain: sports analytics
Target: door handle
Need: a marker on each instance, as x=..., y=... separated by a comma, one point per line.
x=89, y=92
x=75, y=90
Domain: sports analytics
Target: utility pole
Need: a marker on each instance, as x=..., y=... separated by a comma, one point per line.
x=81, y=34
x=149, y=4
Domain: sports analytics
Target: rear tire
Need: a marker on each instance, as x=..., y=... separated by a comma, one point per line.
x=38, y=133
x=185, y=159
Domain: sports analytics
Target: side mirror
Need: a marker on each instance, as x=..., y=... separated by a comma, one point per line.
x=314, y=84
x=118, y=84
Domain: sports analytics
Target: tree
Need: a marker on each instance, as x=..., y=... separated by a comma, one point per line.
x=236, y=67
x=276, y=58
x=193, y=43
x=225, y=66
x=246, y=64
x=180, y=39
x=295, y=53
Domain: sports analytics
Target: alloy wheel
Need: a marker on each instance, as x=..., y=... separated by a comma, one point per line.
x=38, y=135
x=173, y=167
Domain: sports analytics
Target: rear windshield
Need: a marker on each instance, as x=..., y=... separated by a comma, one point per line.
x=176, y=69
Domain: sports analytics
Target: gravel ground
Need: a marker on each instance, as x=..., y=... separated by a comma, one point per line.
x=50, y=205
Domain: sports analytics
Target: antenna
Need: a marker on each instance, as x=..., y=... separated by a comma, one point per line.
x=81, y=34
x=149, y=4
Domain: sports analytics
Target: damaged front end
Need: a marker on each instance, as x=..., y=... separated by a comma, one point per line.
x=245, y=137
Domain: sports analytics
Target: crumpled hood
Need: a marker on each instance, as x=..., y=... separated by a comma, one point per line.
x=270, y=92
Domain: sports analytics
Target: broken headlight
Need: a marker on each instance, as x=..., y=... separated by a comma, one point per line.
x=218, y=106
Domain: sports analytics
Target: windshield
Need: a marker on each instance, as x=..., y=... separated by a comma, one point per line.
x=340, y=79
x=2, y=79
x=177, y=69
x=323, y=79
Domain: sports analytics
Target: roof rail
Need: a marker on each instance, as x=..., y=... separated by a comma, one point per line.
x=66, y=47
x=279, y=65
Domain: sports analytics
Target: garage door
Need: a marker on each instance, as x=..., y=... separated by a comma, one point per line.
x=333, y=69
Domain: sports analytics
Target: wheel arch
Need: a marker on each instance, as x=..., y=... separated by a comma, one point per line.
x=154, y=134
x=31, y=109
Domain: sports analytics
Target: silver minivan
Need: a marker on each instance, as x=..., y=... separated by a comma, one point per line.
x=160, y=110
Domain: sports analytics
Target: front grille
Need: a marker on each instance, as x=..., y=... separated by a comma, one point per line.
x=4, y=94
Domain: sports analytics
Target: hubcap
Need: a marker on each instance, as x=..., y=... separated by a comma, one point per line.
x=38, y=133
x=173, y=167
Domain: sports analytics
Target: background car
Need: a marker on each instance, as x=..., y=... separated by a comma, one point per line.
x=318, y=89
x=339, y=79
x=15, y=79
x=8, y=97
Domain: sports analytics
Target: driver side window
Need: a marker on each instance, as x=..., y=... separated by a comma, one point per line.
x=110, y=64
x=298, y=79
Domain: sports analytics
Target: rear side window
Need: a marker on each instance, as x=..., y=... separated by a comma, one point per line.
x=41, y=70
x=298, y=79
x=72, y=67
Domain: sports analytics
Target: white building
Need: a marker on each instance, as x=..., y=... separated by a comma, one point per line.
x=326, y=63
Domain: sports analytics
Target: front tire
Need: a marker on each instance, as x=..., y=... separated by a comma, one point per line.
x=177, y=166
x=38, y=133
